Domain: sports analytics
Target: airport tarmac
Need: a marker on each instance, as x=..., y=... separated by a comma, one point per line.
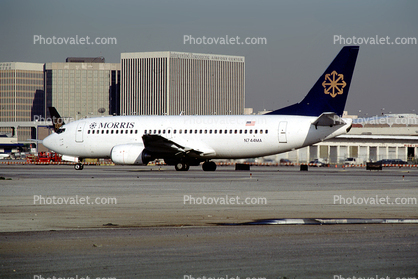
x=154, y=222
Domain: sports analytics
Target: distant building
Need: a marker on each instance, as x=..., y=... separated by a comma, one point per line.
x=21, y=94
x=85, y=59
x=391, y=136
x=78, y=90
x=158, y=83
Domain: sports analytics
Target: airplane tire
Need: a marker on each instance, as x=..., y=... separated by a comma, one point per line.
x=78, y=166
x=209, y=166
x=181, y=167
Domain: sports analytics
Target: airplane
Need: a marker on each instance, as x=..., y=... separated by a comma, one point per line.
x=185, y=141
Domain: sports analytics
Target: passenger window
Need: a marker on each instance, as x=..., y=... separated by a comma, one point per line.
x=107, y=131
x=136, y=131
x=245, y=131
x=174, y=131
x=185, y=131
x=155, y=131
x=230, y=131
x=159, y=132
x=145, y=132
x=191, y=131
x=88, y=132
x=255, y=131
x=251, y=131
x=216, y=131
x=236, y=131
x=117, y=131
x=180, y=131
x=261, y=131
x=102, y=131
x=220, y=131
x=267, y=131
x=132, y=131
x=163, y=131
x=111, y=131
x=210, y=131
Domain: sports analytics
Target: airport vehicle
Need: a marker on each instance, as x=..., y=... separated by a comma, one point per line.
x=4, y=156
x=286, y=162
x=353, y=161
x=319, y=163
x=392, y=162
x=44, y=157
x=185, y=141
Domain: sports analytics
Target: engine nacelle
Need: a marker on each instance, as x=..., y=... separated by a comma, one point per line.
x=130, y=154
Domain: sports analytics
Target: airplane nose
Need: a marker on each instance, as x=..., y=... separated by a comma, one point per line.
x=48, y=142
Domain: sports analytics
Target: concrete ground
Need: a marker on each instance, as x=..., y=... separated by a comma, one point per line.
x=151, y=222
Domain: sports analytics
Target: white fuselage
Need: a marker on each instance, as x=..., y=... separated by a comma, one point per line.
x=217, y=137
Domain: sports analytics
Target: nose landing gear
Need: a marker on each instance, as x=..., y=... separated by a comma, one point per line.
x=78, y=166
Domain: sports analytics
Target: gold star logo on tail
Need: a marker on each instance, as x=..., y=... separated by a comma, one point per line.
x=334, y=84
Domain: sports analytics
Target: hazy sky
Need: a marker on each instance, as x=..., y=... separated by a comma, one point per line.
x=299, y=45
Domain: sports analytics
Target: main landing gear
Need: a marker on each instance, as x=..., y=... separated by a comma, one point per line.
x=209, y=166
x=78, y=166
x=181, y=166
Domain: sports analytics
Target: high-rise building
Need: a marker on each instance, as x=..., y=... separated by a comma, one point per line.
x=21, y=94
x=78, y=90
x=157, y=83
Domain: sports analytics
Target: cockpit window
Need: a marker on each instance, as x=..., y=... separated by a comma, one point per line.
x=60, y=130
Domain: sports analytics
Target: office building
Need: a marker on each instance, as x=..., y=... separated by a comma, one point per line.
x=78, y=89
x=21, y=95
x=172, y=83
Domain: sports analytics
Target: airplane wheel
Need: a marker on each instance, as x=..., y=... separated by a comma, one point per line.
x=78, y=166
x=182, y=167
x=209, y=166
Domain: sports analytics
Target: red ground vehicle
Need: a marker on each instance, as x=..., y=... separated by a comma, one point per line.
x=44, y=157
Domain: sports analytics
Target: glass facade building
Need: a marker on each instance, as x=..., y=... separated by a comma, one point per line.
x=78, y=90
x=22, y=95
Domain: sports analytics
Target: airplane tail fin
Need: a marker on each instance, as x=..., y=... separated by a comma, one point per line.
x=57, y=120
x=329, y=94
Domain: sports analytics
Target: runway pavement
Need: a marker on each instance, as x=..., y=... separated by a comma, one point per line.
x=152, y=222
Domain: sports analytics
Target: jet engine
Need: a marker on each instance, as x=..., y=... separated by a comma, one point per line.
x=130, y=154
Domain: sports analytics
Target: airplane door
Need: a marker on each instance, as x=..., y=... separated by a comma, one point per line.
x=282, y=132
x=79, y=132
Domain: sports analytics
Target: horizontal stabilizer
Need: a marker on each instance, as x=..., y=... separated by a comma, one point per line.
x=328, y=119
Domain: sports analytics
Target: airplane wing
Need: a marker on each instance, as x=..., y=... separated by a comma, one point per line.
x=35, y=140
x=328, y=119
x=159, y=144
